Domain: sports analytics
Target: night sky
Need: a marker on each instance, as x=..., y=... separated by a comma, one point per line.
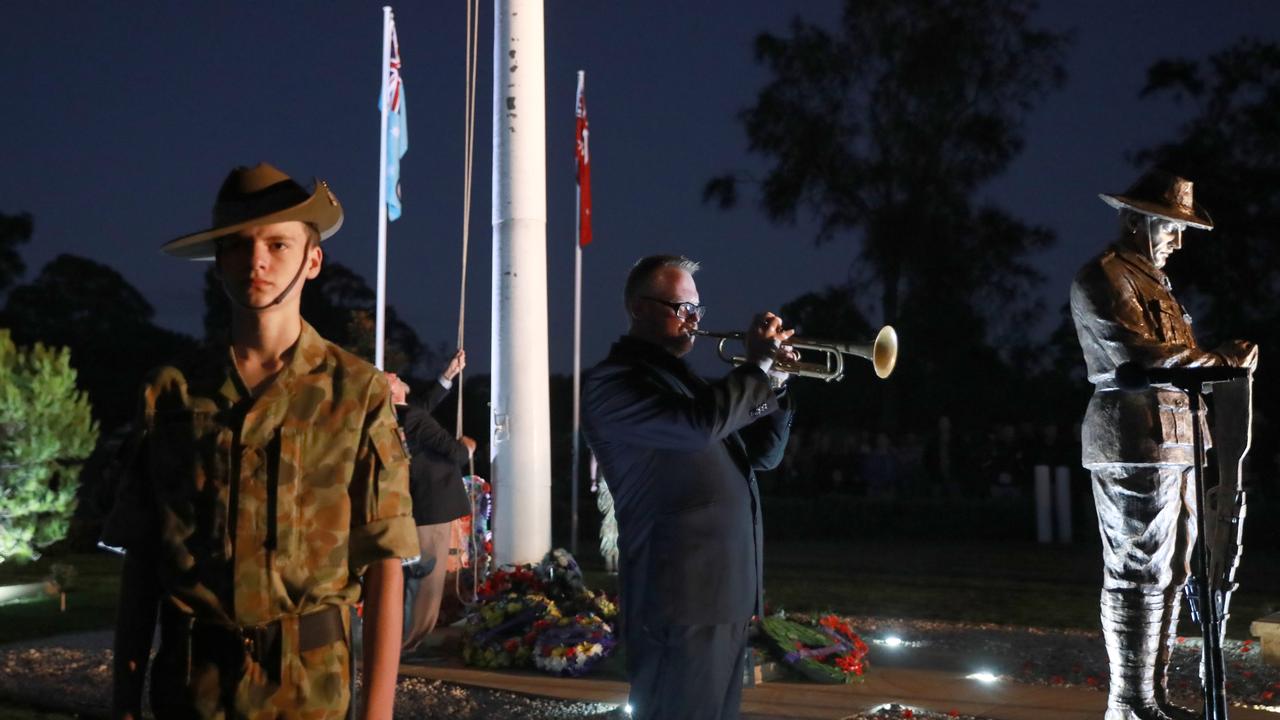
x=120, y=120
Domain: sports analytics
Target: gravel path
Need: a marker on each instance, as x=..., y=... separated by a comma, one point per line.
x=73, y=673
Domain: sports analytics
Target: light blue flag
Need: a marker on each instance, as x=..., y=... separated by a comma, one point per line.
x=397, y=130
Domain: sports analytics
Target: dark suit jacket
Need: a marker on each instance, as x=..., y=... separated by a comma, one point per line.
x=436, y=466
x=678, y=454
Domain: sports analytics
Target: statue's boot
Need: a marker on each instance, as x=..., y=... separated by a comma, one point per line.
x=1131, y=623
x=1168, y=635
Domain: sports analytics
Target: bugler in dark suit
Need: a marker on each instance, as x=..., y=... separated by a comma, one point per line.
x=680, y=454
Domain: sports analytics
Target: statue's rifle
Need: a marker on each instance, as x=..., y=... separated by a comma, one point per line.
x=1219, y=510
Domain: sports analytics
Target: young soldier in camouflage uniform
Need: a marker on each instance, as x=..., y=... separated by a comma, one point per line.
x=263, y=483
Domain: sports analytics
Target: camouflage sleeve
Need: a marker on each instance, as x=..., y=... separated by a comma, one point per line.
x=381, y=520
x=132, y=518
x=133, y=521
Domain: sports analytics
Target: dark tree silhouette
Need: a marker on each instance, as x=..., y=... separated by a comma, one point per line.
x=14, y=231
x=882, y=131
x=1230, y=148
x=91, y=309
x=888, y=127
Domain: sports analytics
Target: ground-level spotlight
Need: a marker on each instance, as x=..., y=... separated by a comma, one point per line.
x=895, y=709
x=628, y=709
x=983, y=676
x=893, y=641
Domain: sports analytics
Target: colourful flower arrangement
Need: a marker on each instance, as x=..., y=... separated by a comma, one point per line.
x=480, y=534
x=501, y=633
x=542, y=616
x=518, y=579
x=572, y=646
x=825, y=649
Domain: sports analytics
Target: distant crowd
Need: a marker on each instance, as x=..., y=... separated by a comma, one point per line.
x=992, y=462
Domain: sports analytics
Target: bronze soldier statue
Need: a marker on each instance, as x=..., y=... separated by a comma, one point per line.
x=1138, y=445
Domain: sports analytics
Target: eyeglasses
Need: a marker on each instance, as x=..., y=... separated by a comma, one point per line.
x=683, y=310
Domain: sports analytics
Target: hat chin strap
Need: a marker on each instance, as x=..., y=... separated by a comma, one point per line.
x=279, y=298
x=1151, y=248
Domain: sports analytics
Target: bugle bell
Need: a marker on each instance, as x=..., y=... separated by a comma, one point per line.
x=882, y=352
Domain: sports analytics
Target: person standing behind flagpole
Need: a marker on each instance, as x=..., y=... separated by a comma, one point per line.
x=582, y=156
x=395, y=143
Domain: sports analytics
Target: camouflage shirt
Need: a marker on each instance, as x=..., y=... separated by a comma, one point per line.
x=260, y=507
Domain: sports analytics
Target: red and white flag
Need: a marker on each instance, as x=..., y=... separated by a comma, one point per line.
x=582, y=153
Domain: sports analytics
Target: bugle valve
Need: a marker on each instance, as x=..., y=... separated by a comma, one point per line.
x=882, y=352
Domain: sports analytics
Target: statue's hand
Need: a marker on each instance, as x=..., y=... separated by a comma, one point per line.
x=1240, y=353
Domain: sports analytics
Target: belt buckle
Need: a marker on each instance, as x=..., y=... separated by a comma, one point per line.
x=253, y=639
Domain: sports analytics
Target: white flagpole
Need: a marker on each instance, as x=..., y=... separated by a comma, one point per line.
x=380, y=322
x=577, y=343
x=520, y=438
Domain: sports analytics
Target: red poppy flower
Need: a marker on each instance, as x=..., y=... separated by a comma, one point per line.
x=849, y=664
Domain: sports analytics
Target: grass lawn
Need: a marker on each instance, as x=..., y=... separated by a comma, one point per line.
x=1011, y=583
x=1023, y=584
x=1006, y=583
x=91, y=605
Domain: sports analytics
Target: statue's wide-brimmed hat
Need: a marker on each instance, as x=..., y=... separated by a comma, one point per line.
x=1159, y=194
x=260, y=195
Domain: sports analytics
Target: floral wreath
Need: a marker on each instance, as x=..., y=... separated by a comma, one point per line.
x=562, y=578
x=508, y=579
x=572, y=646
x=547, y=605
x=502, y=633
x=481, y=535
x=826, y=651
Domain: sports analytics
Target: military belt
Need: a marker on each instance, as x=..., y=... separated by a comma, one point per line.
x=261, y=643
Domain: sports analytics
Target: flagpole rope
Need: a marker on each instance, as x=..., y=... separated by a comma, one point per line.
x=469, y=132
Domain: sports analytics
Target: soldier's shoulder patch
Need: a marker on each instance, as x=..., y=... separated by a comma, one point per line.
x=387, y=442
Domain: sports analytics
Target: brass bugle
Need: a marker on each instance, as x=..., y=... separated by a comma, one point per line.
x=882, y=352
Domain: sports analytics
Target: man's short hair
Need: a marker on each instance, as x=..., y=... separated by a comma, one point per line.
x=646, y=267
